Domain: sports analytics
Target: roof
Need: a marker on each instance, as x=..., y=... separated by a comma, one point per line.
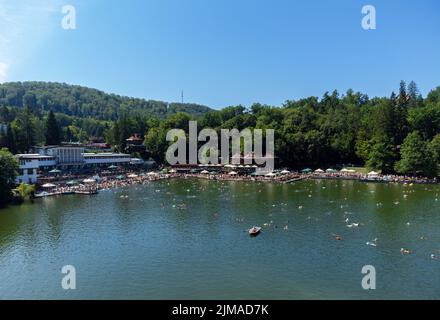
x=107, y=154
x=33, y=156
x=63, y=145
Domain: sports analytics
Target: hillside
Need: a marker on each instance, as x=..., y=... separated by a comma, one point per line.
x=85, y=102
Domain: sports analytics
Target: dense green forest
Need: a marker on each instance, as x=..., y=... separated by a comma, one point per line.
x=82, y=102
x=82, y=112
x=399, y=133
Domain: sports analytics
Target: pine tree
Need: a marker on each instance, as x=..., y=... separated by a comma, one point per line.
x=26, y=131
x=11, y=142
x=53, y=130
x=401, y=114
x=414, y=96
x=3, y=142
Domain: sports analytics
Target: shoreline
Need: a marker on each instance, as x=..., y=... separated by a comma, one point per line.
x=61, y=187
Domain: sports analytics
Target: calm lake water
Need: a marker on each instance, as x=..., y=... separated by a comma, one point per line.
x=187, y=239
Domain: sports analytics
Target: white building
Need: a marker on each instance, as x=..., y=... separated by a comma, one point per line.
x=64, y=157
x=67, y=156
x=29, y=166
x=106, y=159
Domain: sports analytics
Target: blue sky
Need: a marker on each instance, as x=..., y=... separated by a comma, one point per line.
x=222, y=52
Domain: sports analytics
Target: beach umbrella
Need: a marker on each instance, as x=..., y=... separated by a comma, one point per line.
x=48, y=186
x=120, y=177
x=373, y=173
x=307, y=170
x=113, y=167
x=319, y=171
x=132, y=176
x=89, y=180
x=72, y=182
x=173, y=171
x=270, y=174
x=345, y=170
x=331, y=170
x=285, y=172
x=233, y=173
x=55, y=171
x=152, y=173
x=204, y=172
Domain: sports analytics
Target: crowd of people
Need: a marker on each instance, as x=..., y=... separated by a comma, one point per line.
x=96, y=183
x=387, y=178
x=242, y=177
x=110, y=180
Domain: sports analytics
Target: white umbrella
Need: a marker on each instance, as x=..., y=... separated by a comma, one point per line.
x=89, y=181
x=319, y=171
x=270, y=174
x=132, y=176
x=151, y=173
x=285, y=171
x=232, y=173
x=172, y=171
x=48, y=185
x=345, y=170
x=373, y=173
x=204, y=172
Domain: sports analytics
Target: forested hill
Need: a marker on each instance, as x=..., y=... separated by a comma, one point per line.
x=399, y=133
x=85, y=102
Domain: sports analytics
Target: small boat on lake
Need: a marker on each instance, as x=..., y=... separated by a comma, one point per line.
x=254, y=231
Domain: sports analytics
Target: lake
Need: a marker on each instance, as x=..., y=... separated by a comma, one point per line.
x=188, y=239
